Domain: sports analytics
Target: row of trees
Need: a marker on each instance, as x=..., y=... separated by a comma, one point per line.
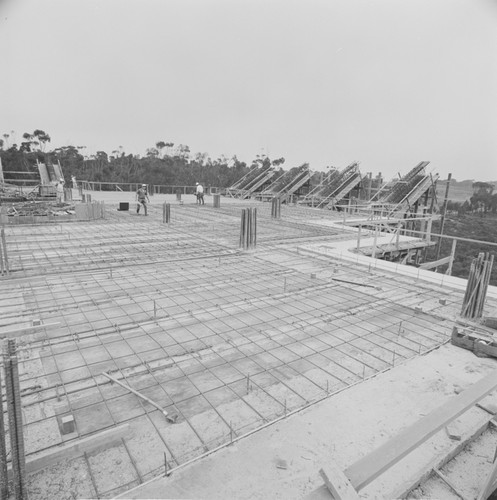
x=164, y=163
x=482, y=201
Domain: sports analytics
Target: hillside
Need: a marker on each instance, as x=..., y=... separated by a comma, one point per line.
x=471, y=226
x=458, y=191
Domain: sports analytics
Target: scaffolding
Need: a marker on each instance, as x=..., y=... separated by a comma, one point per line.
x=334, y=188
x=287, y=185
x=401, y=196
x=251, y=182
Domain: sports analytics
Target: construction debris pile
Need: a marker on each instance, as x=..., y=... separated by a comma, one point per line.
x=10, y=193
x=38, y=208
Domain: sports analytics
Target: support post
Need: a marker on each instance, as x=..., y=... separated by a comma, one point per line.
x=397, y=236
x=428, y=230
x=442, y=219
x=452, y=255
x=359, y=237
x=374, y=241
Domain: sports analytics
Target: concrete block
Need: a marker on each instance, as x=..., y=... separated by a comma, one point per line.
x=68, y=424
x=453, y=432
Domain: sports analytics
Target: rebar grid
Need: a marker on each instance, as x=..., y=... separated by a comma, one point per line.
x=227, y=342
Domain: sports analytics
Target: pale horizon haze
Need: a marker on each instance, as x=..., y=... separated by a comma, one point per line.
x=387, y=83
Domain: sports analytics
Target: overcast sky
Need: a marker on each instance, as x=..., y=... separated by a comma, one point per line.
x=387, y=83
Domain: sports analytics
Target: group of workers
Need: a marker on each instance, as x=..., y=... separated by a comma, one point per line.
x=142, y=197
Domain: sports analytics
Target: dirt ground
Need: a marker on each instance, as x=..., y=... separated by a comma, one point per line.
x=283, y=460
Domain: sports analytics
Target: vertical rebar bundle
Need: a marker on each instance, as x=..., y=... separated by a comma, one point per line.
x=276, y=208
x=14, y=412
x=248, y=228
x=217, y=200
x=476, y=289
x=4, y=490
x=4, y=259
x=166, y=213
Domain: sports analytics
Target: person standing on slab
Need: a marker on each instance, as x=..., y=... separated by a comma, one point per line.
x=60, y=191
x=142, y=198
x=200, y=194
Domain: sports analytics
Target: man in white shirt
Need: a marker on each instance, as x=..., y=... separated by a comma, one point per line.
x=60, y=191
x=200, y=194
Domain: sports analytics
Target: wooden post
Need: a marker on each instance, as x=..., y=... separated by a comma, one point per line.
x=428, y=230
x=442, y=220
x=359, y=237
x=452, y=255
x=164, y=213
x=397, y=236
x=374, y=242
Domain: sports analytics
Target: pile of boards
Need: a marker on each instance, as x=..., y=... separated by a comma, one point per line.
x=479, y=340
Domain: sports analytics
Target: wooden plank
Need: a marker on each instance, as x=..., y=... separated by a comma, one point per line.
x=69, y=451
x=336, y=482
x=490, y=484
x=368, y=468
x=436, y=263
x=449, y=483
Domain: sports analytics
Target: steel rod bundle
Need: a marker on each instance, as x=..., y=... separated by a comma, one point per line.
x=90, y=211
x=248, y=228
x=166, y=213
x=14, y=411
x=4, y=490
x=476, y=289
x=4, y=259
x=217, y=200
x=276, y=208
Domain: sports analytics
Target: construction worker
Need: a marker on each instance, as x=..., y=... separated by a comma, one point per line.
x=200, y=194
x=60, y=191
x=142, y=198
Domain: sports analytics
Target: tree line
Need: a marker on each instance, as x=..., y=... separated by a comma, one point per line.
x=163, y=164
x=483, y=201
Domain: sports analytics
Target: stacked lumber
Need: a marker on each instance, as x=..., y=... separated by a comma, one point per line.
x=476, y=289
x=480, y=342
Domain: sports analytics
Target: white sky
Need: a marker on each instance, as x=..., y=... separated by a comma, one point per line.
x=387, y=83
